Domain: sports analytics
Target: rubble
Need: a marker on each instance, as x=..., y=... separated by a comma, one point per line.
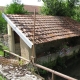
x=16, y=72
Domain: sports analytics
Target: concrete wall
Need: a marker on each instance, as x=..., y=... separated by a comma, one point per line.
x=40, y=48
x=11, y=41
x=4, y=39
x=17, y=48
x=56, y=45
x=26, y=52
x=17, y=43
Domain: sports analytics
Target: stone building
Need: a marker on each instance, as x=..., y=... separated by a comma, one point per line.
x=50, y=31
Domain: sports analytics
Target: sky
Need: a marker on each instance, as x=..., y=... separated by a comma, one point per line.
x=25, y=2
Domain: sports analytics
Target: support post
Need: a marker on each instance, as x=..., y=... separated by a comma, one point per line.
x=4, y=53
x=33, y=53
x=52, y=76
x=11, y=41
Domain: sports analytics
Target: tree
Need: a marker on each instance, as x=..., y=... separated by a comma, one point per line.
x=15, y=8
x=59, y=7
x=77, y=16
x=2, y=24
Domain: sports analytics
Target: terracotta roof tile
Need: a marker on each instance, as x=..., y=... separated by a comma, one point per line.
x=48, y=28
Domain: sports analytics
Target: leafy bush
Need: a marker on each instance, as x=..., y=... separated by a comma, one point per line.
x=16, y=8
x=2, y=47
x=3, y=24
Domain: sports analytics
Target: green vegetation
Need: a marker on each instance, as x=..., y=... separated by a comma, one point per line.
x=77, y=15
x=15, y=8
x=3, y=24
x=1, y=78
x=2, y=47
x=61, y=8
x=60, y=63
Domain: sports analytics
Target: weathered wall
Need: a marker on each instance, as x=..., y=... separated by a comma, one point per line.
x=1, y=38
x=47, y=46
x=11, y=41
x=4, y=39
x=17, y=48
x=17, y=44
x=26, y=52
x=54, y=45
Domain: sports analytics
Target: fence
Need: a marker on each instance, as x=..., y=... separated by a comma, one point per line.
x=42, y=67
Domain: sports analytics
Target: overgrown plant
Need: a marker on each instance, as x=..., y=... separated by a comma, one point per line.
x=2, y=47
x=15, y=8
x=61, y=8
x=3, y=24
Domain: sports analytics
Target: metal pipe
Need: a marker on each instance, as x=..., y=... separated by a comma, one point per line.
x=34, y=34
x=54, y=72
x=52, y=76
x=17, y=55
x=45, y=68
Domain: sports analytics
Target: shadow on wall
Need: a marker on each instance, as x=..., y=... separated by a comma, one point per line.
x=55, y=46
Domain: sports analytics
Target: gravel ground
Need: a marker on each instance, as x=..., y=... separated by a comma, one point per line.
x=12, y=71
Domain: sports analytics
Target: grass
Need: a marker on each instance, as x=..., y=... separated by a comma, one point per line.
x=2, y=47
x=1, y=53
x=1, y=78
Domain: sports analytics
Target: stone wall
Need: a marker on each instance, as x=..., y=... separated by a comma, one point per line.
x=4, y=39
x=1, y=38
x=17, y=48
x=26, y=52
x=40, y=48
x=56, y=45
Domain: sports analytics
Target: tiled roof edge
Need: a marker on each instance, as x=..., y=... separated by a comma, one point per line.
x=24, y=38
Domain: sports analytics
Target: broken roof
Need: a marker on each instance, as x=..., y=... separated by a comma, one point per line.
x=47, y=28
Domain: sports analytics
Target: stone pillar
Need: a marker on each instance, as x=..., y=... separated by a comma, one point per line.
x=26, y=52
x=11, y=39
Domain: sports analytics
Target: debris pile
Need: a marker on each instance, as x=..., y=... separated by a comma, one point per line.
x=16, y=72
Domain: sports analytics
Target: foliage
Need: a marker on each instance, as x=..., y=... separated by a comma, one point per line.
x=15, y=8
x=2, y=24
x=2, y=47
x=59, y=7
x=77, y=16
x=2, y=78
x=60, y=63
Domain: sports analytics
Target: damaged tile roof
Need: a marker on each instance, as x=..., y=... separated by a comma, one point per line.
x=47, y=28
